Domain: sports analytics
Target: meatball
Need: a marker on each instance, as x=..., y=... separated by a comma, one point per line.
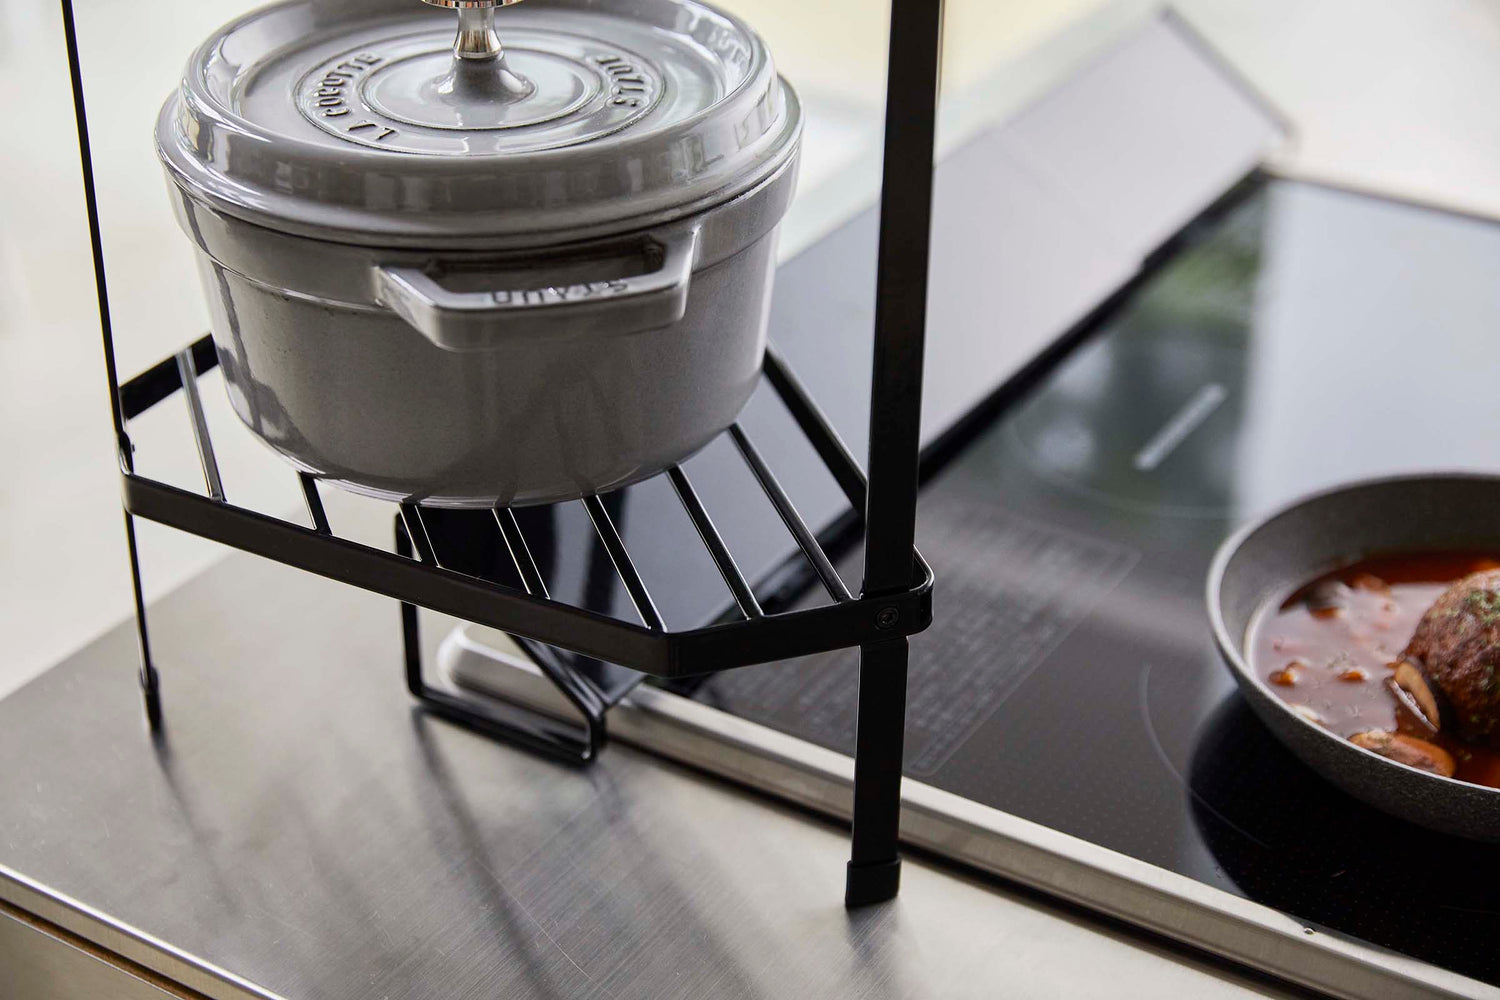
x=1457, y=647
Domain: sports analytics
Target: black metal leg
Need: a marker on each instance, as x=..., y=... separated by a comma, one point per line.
x=895, y=439
x=411, y=639
x=874, y=873
x=150, y=681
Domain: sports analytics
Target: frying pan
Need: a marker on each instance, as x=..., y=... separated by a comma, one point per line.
x=1267, y=560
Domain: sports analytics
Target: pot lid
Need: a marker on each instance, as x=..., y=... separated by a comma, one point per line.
x=401, y=122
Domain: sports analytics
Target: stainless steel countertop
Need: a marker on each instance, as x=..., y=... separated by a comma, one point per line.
x=301, y=831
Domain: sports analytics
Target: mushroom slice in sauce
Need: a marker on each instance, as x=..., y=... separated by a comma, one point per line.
x=1410, y=688
x=1328, y=599
x=1407, y=750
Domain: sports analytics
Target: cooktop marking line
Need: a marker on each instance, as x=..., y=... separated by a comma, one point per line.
x=1186, y=420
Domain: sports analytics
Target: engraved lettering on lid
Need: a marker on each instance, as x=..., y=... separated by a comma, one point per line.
x=392, y=96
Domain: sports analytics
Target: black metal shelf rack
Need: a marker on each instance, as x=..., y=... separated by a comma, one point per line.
x=611, y=654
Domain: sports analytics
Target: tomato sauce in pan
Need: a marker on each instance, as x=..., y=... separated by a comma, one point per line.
x=1331, y=649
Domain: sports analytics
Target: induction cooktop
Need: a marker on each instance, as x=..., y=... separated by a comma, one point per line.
x=1123, y=363
x=1304, y=337
x=1294, y=337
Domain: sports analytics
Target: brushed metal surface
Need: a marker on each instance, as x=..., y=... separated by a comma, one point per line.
x=990, y=840
x=301, y=831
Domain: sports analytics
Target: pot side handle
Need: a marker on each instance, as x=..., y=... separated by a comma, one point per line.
x=480, y=320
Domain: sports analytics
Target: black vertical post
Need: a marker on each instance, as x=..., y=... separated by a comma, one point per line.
x=411, y=641
x=150, y=686
x=895, y=425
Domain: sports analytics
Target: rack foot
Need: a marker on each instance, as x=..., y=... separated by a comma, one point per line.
x=865, y=885
x=151, y=694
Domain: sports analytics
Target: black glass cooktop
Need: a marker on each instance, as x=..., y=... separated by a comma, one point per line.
x=1301, y=337
x=1293, y=338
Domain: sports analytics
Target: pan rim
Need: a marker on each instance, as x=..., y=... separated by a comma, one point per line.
x=1230, y=649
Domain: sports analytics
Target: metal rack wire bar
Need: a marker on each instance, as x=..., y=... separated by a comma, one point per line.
x=314, y=503
x=188, y=373
x=587, y=698
x=520, y=552
x=604, y=527
x=836, y=456
x=819, y=431
x=164, y=378
x=416, y=530
x=744, y=596
x=806, y=541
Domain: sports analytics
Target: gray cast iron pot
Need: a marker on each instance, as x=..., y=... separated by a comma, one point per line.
x=1266, y=561
x=404, y=391
x=426, y=286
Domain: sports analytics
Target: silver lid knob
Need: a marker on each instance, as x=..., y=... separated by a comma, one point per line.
x=479, y=65
x=477, y=39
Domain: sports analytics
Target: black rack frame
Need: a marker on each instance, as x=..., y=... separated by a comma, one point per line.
x=610, y=655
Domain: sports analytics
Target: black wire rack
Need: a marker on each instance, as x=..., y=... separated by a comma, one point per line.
x=596, y=659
